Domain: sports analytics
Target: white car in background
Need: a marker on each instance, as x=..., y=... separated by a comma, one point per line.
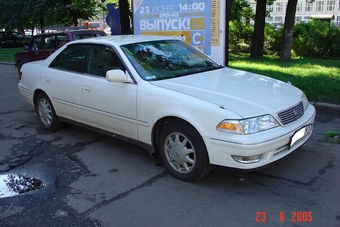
x=172, y=100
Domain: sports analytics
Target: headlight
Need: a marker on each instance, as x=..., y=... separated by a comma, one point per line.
x=304, y=101
x=248, y=126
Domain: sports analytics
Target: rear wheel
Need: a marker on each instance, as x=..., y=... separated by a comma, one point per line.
x=183, y=151
x=47, y=116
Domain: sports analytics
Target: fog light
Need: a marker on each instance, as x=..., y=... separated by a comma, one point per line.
x=246, y=159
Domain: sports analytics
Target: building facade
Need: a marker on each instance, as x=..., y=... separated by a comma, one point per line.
x=305, y=10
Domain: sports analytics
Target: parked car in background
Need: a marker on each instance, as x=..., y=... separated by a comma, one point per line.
x=13, y=39
x=171, y=99
x=44, y=44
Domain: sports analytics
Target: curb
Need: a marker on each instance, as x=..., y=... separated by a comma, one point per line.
x=7, y=63
x=322, y=105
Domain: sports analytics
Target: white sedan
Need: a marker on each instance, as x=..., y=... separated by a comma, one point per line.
x=172, y=100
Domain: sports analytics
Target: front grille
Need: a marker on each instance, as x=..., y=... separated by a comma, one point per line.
x=292, y=114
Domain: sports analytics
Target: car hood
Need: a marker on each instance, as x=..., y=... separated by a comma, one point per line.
x=246, y=94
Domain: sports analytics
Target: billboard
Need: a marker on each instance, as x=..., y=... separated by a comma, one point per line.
x=188, y=20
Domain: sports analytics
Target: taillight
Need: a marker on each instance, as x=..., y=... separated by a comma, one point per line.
x=20, y=75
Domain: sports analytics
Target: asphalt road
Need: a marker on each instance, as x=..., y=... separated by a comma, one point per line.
x=94, y=180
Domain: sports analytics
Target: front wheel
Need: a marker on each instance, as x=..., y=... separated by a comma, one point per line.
x=183, y=151
x=47, y=116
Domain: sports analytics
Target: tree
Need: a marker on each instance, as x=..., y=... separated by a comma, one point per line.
x=69, y=12
x=286, y=44
x=124, y=16
x=19, y=14
x=258, y=36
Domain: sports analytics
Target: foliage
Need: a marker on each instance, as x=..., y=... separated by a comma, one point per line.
x=240, y=9
x=316, y=39
x=240, y=35
x=272, y=39
x=19, y=14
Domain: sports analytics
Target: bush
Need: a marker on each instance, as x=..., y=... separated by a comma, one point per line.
x=316, y=39
x=272, y=39
x=240, y=35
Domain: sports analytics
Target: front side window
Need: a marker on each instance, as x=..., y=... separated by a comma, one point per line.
x=71, y=59
x=102, y=59
x=157, y=60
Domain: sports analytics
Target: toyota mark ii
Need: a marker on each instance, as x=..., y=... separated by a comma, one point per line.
x=172, y=100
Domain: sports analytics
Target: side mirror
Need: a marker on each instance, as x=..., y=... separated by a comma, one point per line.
x=117, y=75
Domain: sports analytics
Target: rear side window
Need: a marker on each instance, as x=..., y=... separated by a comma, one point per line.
x=71, y=59
x=47, y=42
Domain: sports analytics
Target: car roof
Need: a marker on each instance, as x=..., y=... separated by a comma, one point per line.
x=122, y=39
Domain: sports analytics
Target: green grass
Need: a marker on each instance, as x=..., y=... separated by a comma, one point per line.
x=7, y=54
x=332, y=136
x=319, y=79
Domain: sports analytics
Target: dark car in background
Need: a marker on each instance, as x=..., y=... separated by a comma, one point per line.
x=13, y=39
x=44, y=44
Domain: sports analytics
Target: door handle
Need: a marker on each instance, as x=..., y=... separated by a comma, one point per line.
x=86, y=89
x=47, y=80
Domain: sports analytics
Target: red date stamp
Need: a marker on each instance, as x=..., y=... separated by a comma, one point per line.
x=295, y=216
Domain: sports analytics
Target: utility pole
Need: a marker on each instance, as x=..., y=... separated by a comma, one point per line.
x=226, y=38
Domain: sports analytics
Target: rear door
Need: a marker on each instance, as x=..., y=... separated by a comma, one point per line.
x=64, y=81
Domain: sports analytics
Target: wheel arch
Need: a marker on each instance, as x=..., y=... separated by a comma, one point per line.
x=35, y=97
x=160, y=124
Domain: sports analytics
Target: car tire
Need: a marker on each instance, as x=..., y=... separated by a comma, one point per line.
x=19, y=65
x=183, y=152
x=47, y=116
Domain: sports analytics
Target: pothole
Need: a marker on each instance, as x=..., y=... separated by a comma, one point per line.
x=12, y=184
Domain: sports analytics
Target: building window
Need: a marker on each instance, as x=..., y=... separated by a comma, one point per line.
x=299, y=6
x=298, y=19
x=279, y=6
x=309, y=6
x=319, y=5
x=330, y=5
x=278, y=19
x=269, y=19
x=270, y=8
x=338, y=20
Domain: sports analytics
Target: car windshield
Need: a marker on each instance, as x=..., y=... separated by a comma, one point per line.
x=167, y=59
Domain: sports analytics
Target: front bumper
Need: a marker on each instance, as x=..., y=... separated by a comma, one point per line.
x=270, y=145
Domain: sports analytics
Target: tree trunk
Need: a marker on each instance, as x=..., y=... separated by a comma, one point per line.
x=124, y=17
x=287, y=38
x=42, y=22
x=258, y=36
